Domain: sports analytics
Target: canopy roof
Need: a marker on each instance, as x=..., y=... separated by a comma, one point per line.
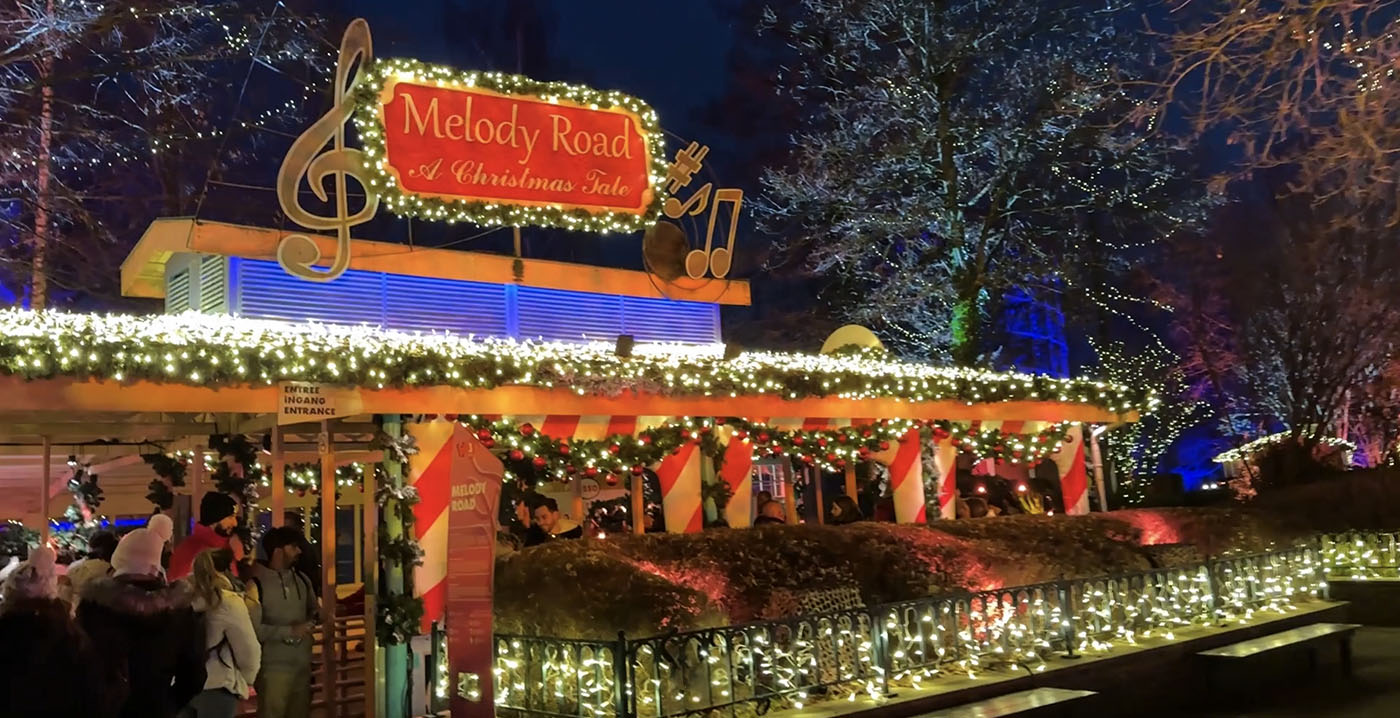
x=223, y=363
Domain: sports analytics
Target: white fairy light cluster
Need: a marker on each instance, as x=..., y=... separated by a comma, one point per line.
x=1267, y=442
x=222, y=351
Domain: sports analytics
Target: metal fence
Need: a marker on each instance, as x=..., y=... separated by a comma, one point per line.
x=749, y=669
x=1362, y=554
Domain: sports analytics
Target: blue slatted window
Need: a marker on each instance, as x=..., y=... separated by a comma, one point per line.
x=261, y=289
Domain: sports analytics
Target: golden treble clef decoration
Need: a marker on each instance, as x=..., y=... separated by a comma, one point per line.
x=298, y=253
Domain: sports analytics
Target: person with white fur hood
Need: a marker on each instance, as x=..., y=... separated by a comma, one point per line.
x=146, y=631
x=50, y=669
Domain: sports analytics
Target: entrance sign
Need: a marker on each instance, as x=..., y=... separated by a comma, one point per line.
x=499, y=150
x=299, y=402
x=475, y=480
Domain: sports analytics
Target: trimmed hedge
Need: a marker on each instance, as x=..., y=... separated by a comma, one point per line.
x=645, y=585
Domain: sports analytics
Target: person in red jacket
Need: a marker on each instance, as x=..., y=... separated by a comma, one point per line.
x=218, y=516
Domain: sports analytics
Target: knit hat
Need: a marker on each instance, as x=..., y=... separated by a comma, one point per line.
x=139, y=553
x=35, y=578
x=162, y=526
x=215, y=507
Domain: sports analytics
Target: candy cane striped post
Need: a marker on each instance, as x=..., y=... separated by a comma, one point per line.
x=907, y=480
x=1074, y=480
x=680, y=489
x=737, y=472
x=945, y=457
x=428, y=472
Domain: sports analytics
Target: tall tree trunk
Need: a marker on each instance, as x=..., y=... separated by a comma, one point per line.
x=39, y=278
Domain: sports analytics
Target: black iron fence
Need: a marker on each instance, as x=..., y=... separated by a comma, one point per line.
x=752, y=668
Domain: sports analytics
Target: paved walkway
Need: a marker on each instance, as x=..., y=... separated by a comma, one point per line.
x=1286, y=690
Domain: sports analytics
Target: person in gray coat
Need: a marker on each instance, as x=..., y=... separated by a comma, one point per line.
x=286, y=615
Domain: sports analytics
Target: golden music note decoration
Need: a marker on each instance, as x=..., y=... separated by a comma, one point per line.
x=716, y=260
x=298, y=253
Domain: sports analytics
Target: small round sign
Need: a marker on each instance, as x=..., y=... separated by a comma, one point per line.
x=588, y=489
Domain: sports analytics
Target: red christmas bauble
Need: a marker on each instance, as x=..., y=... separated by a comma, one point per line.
x=822, y=442
x=741, y=434
x=563, y=449
x=483, y=434
x=429, y=417
x=646, y=438
x=571, y=469
x=541, y=462
x=450, y=417
x=841, y=464
x=843, y=438
x=614, y=449
x=831, y=458
x=807, y=460
x=867, y=433
x=516, y=455
x=611, y=480
x=527, y=430
x=488, y=442
x=638, y=470
x=797, y=441
x=685, y=433
x=763, y=437
x=590, y=472
x=884, y=446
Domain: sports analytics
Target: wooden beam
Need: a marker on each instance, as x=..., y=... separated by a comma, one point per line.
x=330, y=691
x=107, y=395
x=44, y=500
x=143, y=271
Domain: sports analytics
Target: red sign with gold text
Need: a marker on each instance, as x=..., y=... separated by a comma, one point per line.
x=470, y=143
x=475, y=478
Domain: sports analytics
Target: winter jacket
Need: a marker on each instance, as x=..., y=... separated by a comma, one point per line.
x=48, y=668
x=564, y=528
x=234, y=654
x=285, y=600
x=150, y=642
x=81, y=573
x=203, y=538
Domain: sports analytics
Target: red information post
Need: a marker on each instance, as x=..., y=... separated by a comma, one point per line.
x=470, y=143
x=475, y=479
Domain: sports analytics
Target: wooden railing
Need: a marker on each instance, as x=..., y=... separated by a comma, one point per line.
x=347, y=695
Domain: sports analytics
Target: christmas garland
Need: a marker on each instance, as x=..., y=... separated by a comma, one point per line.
x=399, y=614
x=832, y=449
x=170, y=472
x=208, y=350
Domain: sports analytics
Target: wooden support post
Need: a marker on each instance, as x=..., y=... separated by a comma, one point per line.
x=576, y=502
x=369, y=575
x=44, y=492
x=279, y=478
x=789, y=493
x=639, y=504
x=851, y=489
x=328, y=597
x=816, y=478
x=196, y=474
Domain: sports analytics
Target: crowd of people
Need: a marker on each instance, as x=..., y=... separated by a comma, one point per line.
x=142, y=629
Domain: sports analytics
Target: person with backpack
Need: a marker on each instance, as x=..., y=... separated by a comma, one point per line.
x=234, y=654
x=149, y=640
x=285, y=621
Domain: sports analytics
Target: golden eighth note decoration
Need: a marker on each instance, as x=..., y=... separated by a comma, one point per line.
x=298, y=253
x=717, y=260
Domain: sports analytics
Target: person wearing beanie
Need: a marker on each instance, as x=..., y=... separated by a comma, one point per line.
x=97, y=564
x=56, y=673
x=218, y=516
x=149, y=638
